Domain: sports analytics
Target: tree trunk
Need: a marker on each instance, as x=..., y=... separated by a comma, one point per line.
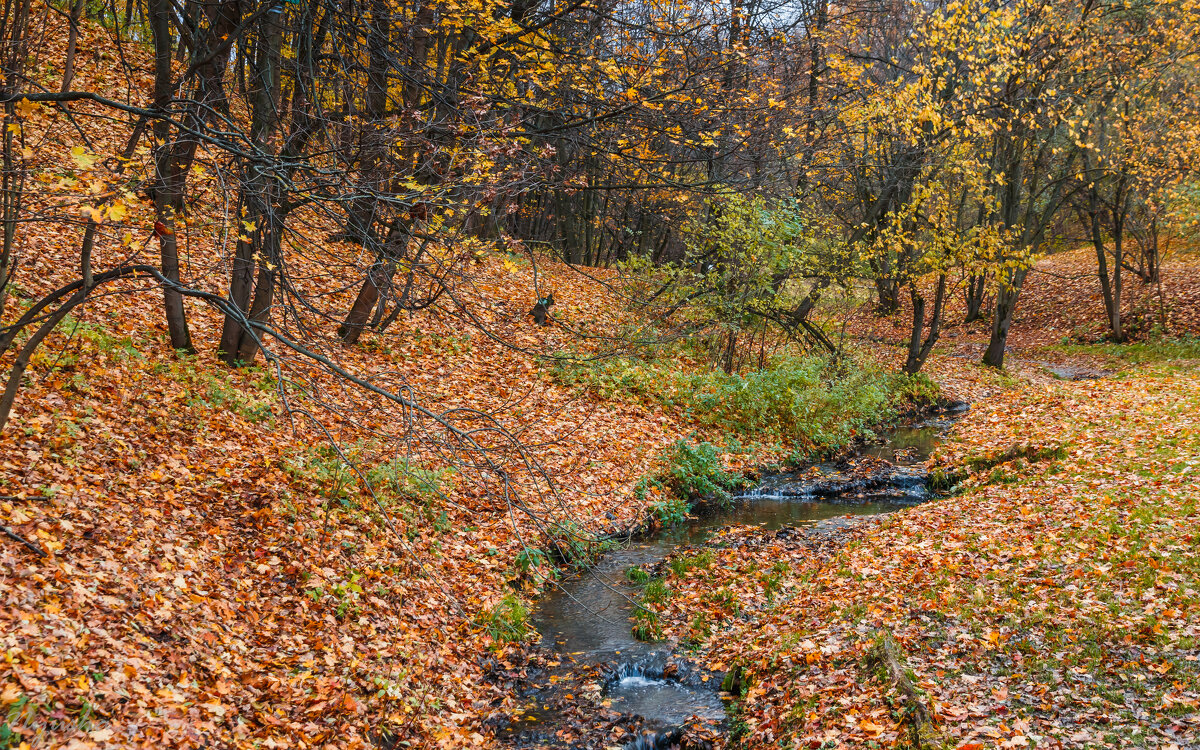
x=17, y=372
x=1097, y=233
x=886, y=286
x=975, y=292
x=72, y=43
x=368, y=296
x=1006, y=305
x=364, y=208
x=1153, y=274
x=914, y=336
x=1032, y=214
x=264, y=220
x=919, y=351
x=240, y=285
x=889, y=296
x=14, y=57
x=730, y=350
x=79, y=292
x=1117, y=324
x=168, y=180
x=12, y=185
x=260, y=312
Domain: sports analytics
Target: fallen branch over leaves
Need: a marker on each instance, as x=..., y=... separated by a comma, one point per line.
x=22, y=540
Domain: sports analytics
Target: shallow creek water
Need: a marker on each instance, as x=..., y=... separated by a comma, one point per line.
x=587, y=621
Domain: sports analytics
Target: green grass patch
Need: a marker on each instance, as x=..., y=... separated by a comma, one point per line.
x=636, y=575
x=1149, y=351
x=646, y=625
x=684, y=563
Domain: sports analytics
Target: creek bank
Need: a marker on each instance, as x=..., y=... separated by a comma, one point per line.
x=592, y=684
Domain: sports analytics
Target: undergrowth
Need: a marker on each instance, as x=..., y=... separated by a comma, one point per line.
x=507, y=621
x=646, y=626
x=1151, y=350
x=694, y=474
x=804, y=401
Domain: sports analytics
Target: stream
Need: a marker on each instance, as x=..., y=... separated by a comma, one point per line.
x=585, y=624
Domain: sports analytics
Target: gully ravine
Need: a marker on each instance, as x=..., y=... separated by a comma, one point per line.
x=594, y=659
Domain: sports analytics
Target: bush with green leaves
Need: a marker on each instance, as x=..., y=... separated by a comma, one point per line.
x=804, y=401
x=340, y=474
x=530, y=559
x=669, y=509
x=697, y=473
x=752, y=264
x=745, y=249
x=799, y=400
x=403, y=478
x=507, y=621
x=913, y=392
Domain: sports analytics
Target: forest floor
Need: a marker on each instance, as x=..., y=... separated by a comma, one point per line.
x=200, y=577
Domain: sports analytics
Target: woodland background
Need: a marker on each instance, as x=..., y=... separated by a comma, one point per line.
x=333, y=332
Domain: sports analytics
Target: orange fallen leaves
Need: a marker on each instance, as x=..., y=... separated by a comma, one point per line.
x=1040, y=565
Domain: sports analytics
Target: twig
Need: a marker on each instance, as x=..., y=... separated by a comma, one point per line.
x=18, y=538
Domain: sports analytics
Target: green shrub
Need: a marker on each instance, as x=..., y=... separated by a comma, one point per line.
x=645, y=620
x=622, y=379
x=771, y=586
x=656, y=591
x=942, y=479
x=696, y=473
x=530, y=558
x=324, y=470
x=645, y=625
x=724, y=598
x=799, y=400
x=506, y=622
x=343, y=596
x=671, y=511
x=403, y=478
x=216, y=389
x=913, y=391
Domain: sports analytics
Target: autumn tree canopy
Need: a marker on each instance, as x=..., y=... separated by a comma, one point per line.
x=377, y=147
